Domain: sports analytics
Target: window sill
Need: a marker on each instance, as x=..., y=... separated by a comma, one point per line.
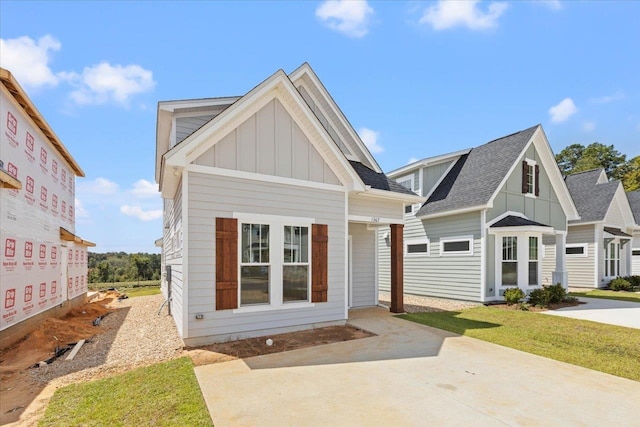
x=259, y=308
x=530, y=195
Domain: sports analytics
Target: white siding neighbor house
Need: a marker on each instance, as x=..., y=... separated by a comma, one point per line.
x=634, y=203
x=599, y=243
x=492, y=217
x=271, y=206
x=43, y=264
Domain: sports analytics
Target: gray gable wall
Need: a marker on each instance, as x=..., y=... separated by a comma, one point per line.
x=591, y=199
x=477, y=175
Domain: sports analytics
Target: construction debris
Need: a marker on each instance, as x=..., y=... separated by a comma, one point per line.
x=75, y=350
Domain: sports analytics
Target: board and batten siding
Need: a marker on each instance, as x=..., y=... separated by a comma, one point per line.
x=270, y=142
x=581, y=270
x=212, y=196
x=185, y=126
x=172, y=254
x=363, y=266
x=431, y=175
x=447, y=276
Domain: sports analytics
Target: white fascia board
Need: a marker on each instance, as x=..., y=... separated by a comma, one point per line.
x=391, y=195
x=305, y=69
x=575, y=224
x=429, y=161
x=453, y=212
x=522, y=229
x=173, y=106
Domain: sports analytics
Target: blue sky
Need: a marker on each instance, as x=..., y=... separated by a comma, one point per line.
x=415, y=79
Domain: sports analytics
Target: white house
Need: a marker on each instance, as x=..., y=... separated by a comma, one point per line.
x=491, y=221
x=634, y=203
x=599, y=243
x=43, y=264
x=271, y=205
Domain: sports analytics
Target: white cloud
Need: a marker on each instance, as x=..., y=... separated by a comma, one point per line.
x=561, y=112
x=412, y=160
x=80, y=211
x=588, y=126
x=370, y=139
x=99, y=186
x=141, y=214
x=105, y=82
x=608, y=98
x=350, y=17
x=448, y=14
x=28, y=59
x=144, y=189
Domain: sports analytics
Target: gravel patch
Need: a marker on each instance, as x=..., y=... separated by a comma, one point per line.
x=419, y=304
x=133, y=336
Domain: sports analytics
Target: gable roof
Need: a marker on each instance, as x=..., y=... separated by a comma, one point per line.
x=516, y=221
x=634, y=202
x=476, y=176
x=378, y=180
x=591, y=197
x=20, y=96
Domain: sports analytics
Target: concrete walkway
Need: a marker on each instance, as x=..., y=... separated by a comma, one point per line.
x=412, y=375
x=621, y=313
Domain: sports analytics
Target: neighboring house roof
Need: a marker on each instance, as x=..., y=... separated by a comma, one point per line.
x=616, y=232
x=378, y=180
x=634, y=202
x=590, y=197
x=16, y=91
x=476, y=176
x=516, y=221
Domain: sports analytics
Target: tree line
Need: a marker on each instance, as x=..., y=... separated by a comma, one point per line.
x=578, y=158
x=123, y=267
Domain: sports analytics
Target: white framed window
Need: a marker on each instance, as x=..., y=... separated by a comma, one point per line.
x=275, y=262
x=530, y=178
x=612, y=259
x=417, y=247
x=407, y=182
x=533, y=261
x=576, y=250
x=509, y=261
x=458, y=245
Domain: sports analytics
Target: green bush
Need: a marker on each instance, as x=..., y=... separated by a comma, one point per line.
x=539, y=297
x=556, y=293
x=634, y=281
x=513, y=295
x=620, y=284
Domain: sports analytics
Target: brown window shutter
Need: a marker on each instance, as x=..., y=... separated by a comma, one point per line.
x=319, y=262
x=525, y=171
x=226, y=263
x=537, y=180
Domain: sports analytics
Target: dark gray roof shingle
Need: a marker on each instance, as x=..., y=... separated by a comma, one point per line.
x=634, y=202
x=616, y=232
x=377, y=180
x=476, y=176
x=591, y=199
x=516, y=221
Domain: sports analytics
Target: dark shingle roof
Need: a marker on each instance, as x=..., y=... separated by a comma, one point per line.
x=634, y=202
x=377, y=180
x=591, y=199
x=516, y=221
x=616, y=232
x=476, y=176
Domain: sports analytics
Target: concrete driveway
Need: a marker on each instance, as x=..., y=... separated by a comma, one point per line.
x=412, y=375
x=621, y=313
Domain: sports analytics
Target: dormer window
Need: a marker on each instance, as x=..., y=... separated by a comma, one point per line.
x=530, y=178
x=407, y=182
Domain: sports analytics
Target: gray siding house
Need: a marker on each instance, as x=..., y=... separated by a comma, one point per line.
x=491, y=215
x=271, y=206
x=599, y=243
x=634, y=203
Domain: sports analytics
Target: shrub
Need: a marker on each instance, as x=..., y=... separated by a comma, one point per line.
x=539, y=297
x=570, y=299
x=513, y=295
x=620, y=284
x=523, y=306
x=556, y=293
x=634, y=281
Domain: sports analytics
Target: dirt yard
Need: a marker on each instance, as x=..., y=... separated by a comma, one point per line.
x=131, y=334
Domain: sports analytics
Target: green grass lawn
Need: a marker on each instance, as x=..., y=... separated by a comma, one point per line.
x=601, y=293
x=607, y=348
x=140, y=292
x=118, y=285
x=166, y=394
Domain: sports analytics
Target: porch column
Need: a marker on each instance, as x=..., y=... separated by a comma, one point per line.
x=560, y=274
x=397, y=271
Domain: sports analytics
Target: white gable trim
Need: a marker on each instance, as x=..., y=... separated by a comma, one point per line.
x=551, y=168
x=429, y=161
x=278, y=86
x=624, y=205
x=305, y=69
